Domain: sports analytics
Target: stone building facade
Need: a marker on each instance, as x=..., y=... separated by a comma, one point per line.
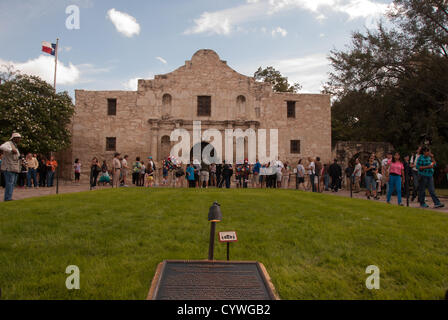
x=139, y=123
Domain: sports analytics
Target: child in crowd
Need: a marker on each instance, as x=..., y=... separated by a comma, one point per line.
x=77, y=167
x=149, y=176
x=141, y=177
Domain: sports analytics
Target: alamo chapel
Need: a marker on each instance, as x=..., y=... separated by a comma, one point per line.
x=139, y=123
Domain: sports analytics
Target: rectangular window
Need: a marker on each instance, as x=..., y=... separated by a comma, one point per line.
x=111, y=144
x=111, y=107
x=295, y=146
x=291, y=105
x=204, y=106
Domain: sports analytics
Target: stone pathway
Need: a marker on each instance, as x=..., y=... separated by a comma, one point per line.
x=69, y=187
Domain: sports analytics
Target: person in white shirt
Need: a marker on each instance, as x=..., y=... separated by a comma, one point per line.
x=116, y=170
x=412, y=164
x=385, y=170
x=378, y=182
x=312, y=173
x=357, y=172
x=300, y=175
x=32, y=165
x=11, y=164
x=124, y=169
x=278, y=169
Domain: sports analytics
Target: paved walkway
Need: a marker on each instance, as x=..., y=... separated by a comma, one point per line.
x=69, y=187
x=415, y=204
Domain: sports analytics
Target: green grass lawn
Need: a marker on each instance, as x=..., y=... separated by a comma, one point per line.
x=314, y=246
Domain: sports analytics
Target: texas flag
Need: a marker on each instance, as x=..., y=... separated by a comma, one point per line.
x=49, y=47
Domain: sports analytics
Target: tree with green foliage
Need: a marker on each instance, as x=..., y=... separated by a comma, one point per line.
x=30, y=106
x=391, y=84
x=279, y=83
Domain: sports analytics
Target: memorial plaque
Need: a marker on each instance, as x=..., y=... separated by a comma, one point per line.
x=211, y=280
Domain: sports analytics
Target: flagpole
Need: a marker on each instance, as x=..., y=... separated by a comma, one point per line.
x=56, y=62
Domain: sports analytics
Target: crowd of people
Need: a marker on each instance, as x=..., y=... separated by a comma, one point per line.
x=398, y=175
x=36, y=171
x=392, y=175
x=24, y=171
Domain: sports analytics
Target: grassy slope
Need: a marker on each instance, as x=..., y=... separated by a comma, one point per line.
x=314, y=246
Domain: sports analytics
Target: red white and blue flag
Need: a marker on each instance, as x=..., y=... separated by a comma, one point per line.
x=49, y=48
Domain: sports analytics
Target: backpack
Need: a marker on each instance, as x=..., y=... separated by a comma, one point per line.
x=136, y=167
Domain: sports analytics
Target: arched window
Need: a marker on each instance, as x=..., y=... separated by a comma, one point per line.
x=241, y=105
x=166, y=99
x=166, y=105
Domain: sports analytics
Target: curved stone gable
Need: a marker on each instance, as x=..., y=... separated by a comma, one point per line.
x=207, y=69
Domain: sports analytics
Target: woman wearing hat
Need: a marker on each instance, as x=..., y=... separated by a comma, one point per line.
x=10, y=164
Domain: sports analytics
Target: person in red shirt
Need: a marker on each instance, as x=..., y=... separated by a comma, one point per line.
x=52, y=164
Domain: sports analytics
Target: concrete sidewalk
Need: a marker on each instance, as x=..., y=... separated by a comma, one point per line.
x=64, y=187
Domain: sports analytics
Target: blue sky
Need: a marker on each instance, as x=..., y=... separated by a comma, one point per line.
x=119, y=42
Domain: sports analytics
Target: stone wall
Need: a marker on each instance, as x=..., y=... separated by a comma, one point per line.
x=348, y=151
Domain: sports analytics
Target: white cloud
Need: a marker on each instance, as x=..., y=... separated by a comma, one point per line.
x=161, y=60
x=132, y=84
x=363, y=8
x=43, y=66
x=211, y=23
x=353, y=8
x=124, y=23
x=279, y=31
x=224, y=22
x=310, y=71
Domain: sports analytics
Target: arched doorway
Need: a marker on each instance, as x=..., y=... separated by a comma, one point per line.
x=363, y=158
x=203, y=146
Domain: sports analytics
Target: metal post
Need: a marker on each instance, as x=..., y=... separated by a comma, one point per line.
x=212, y=240
x=407, y=192
x=90, y=177
x=56, y=62
x=228, y=251
x=57, y=179
x=351, y=188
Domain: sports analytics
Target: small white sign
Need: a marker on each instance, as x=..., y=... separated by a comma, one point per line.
x=228, y=236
